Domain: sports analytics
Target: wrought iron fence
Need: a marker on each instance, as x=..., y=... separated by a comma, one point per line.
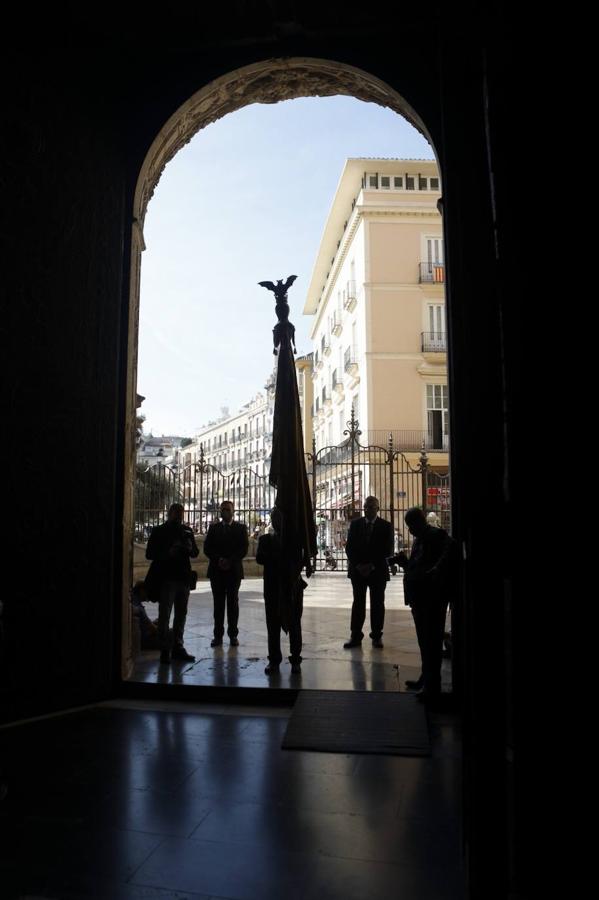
x=341, y=477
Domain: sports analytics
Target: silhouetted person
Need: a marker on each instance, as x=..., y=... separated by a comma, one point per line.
x=369, y=544
x=269, y=556
x=429, y=580
x=170, y=547
x=225, y=546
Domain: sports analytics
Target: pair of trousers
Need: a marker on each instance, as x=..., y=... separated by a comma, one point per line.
x=225, y=592
x=377, y=607
x=172, y=593
x=273, y=627
x=429, y=619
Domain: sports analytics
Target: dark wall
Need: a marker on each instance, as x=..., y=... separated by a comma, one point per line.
x=63, y=220
x=83, y=102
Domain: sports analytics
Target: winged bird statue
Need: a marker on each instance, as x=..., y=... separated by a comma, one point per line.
x=283, y=329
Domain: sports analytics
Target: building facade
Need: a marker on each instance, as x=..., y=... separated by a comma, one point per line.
x=378, y=301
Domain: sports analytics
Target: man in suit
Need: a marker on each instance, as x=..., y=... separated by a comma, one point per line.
x=225, y=546
x=369, y=545
x=170, y=547
x=269, y=556
x=430, y=579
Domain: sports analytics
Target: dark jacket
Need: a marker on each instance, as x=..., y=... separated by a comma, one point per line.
x=375, y=551
x=170, y=547
x=228, y=541
x=431, y=570
x=268, y=555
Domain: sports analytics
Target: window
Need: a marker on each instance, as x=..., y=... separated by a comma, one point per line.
x=386, y=182
x=421, y=183
x=436, y=320
x=437, y=414
x=409, y=182
x=434, y=250
x=434, y=183
x=398, y=182
x=432, y=268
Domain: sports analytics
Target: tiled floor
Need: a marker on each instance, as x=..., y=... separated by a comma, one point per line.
x=135, y=800
x=325, y=626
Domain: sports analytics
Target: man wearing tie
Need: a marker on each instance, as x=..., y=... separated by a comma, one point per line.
x=225, y=546
x=369, y=545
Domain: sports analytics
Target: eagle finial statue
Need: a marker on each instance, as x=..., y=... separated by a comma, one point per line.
x=283, y=328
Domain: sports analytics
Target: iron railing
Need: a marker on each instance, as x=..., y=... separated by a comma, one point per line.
x=434, y=342
x=432, y=273
x=340, y=477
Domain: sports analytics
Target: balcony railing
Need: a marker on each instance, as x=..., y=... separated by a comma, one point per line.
x=432, y=273
x=350, y=361
x=434, y=342
x=337, y=382
x=409, y=439
x=349, y=295
x=336, y=323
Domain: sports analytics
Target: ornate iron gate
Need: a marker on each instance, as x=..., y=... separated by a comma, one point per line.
x=341, y=477
x=201, y=488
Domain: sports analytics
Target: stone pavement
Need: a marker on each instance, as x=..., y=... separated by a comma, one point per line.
x=325, y=626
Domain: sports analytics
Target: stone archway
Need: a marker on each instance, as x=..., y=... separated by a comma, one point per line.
x=269, y=81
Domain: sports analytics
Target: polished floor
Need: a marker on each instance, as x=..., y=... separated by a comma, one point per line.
x=135, y=800
x=325, y=627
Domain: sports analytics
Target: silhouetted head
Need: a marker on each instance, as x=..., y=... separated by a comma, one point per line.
x=175, y=513
x=276, y=519
x=371, y=508
x=416, y=521
x=226, y=510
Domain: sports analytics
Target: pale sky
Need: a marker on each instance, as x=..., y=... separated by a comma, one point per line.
x=245, y=201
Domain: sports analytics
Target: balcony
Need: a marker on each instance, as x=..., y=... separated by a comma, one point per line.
x=350, y=361
x=349, y=296
x=432, y=273
x=326, y=397
x=337, y=383
x=336, y=323
x=434, y=342
x=409, y=440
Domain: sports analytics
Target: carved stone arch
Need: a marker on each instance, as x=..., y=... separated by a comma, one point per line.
x=269, y=81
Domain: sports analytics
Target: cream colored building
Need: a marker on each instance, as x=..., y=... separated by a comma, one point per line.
x=378, y=302
x=241, y=440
